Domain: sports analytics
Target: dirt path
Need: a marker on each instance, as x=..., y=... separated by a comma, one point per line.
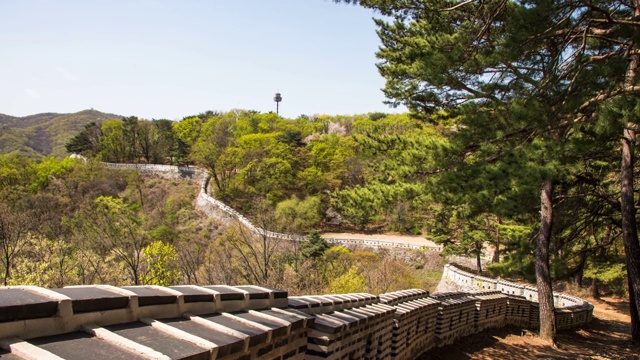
x=606, y=338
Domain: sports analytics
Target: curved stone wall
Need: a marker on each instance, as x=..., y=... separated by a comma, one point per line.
x=171, y=172
x=225, y=213
x=570, y=311
x=251, y=322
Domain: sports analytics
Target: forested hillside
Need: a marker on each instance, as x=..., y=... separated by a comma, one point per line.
x=307, y=169
x=396, y=172
x=44, y=134
x=431, y=174
x=69, y=222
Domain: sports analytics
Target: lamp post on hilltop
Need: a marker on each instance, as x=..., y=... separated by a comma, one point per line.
x=277, y=99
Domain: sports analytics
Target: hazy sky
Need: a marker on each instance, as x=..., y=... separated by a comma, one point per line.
x=169, y=59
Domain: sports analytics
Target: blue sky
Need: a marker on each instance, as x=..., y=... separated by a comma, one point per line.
x=169, y=59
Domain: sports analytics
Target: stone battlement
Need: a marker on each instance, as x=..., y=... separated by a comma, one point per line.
x=252, y=322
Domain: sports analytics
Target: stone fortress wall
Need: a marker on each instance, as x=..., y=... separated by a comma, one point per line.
x=570, y=311
x=216, y=208
x=251, y=322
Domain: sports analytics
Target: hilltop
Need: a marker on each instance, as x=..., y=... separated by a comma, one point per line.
x=44, y=134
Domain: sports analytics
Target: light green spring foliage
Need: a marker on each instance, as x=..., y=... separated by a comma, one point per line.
x=299, y=214
x=612, y=274
x=82, y=224
x=18, y=172
x=456, y=176
x=160, y=264
x=115, y=227
x=252, y=155
x=350, y=282
x=112, y=141
x=188, y=129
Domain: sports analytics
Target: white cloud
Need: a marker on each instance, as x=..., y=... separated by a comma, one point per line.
x=31, y=93
x=67, y=74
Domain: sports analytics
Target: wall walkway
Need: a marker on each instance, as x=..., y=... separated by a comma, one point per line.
x=250, y=322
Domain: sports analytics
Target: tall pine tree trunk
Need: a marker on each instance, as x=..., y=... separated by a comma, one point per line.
x=630, y=230
x=627, y=205
x=479, y=257
x=543, y=275
x=496, y=253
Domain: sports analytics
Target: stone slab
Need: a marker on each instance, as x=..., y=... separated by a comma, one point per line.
x=277, y=328
x=5, y=355
x=148, y=296
x=89, y=299
x=255, y=292
x=193, y=294
x=171, y=346
x=297, y=323
x=328, y=325
x=227, y=293
x=303, y=303
x=227, y=344
x=257, y=335
x=277, y=293
x=82, y=346
x=20, y=304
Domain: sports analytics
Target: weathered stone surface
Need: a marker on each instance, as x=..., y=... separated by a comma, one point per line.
x=251, y=322
x=148, y=296
x=193, y=294
x=304, y=304
x=227, y=293
x=277, y=293
x=297, y=322
x=255, y=292
x=20, y=304
x=82, y=346
x=90, y=299
x=227, y=344
x=171, y=346
x=5, y=355
x=278, y=329
x=257, y=335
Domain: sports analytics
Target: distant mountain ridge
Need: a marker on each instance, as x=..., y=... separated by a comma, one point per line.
x=44, y=134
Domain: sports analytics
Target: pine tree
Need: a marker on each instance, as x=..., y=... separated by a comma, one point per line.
x=561, y=59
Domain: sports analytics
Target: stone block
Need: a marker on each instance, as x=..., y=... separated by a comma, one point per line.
x=21, y=304
x=231, y=299
x=86, y=299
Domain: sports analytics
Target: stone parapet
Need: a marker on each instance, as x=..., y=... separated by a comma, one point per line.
x=518, y=309
x=491, y=309
x=456, y=316
x=253, y=322
x=402, y=296
x=414, y=327
x=357, y=333
x=570, y=311
x=171, y=172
